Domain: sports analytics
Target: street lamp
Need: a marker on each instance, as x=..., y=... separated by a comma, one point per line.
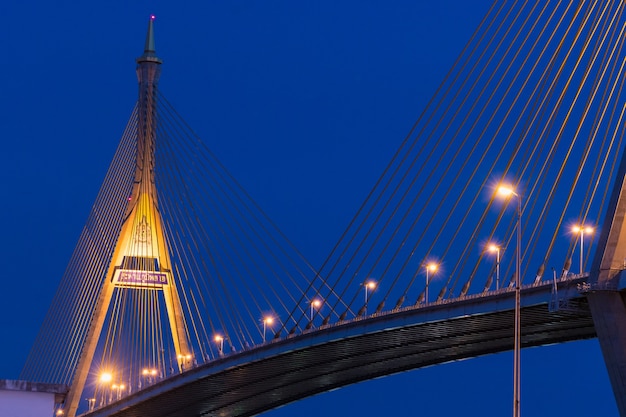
x=430, y=267
x=91, y=402
x=220, y=342
x=105, y=379
x=184, y=360
x=582, y=229
x=150, y=373
x=315, y=304
x=495, y=248
x=369, y=285
x=506, y=192
x=118, y=389
x=267, y=321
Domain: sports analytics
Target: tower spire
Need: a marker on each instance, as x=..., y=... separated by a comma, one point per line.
x=149, y=50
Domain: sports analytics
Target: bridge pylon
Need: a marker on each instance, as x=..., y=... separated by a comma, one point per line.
x=141, y=259
x=607, y=304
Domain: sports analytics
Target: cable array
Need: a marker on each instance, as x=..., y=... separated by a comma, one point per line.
x=535, y=101
x=236, y=275
x=56, y=350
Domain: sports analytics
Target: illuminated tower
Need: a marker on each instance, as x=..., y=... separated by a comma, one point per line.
x=141, y=259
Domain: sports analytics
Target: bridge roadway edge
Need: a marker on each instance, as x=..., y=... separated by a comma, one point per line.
x=249, y=382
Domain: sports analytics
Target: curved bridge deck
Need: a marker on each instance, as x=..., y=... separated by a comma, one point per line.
x=265, y=377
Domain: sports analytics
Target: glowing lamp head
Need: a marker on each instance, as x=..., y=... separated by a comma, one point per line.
x=59, y=412
x=505, y=191
x=582, y=229
x=218, y=338
x=152, y=17
x=145, y=371
x=153, y=372
x=370, y=284
x=432, y=267
x=493, y=248
x=106, y=377
x=188, y=357
x=316, y=303
x=268, y=320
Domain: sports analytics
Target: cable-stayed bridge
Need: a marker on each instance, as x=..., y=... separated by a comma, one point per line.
x=146, y=254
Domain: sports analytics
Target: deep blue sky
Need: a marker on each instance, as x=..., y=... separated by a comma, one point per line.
x=304, y=102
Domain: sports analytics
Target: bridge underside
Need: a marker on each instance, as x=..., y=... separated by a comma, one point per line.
x=254, y=381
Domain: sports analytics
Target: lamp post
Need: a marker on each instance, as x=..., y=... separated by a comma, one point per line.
x=369, y=285
x=314, y=305
x=506, y=191
x=582, y=229
x=495, y=248
x=267, y=321
x=118, y=388
x=219, y=339
x=430, y=267
x=184, y=360
x=105, y=379
x=149, y=373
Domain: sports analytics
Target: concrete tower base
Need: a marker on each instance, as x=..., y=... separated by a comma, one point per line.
x=609, y=316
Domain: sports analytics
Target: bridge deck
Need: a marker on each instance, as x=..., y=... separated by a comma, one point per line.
x=253, y=381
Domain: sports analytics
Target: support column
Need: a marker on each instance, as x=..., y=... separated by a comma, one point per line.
x=607, y=304
x=609, y=317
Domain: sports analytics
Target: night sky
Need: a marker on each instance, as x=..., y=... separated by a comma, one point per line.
x=304, y=102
